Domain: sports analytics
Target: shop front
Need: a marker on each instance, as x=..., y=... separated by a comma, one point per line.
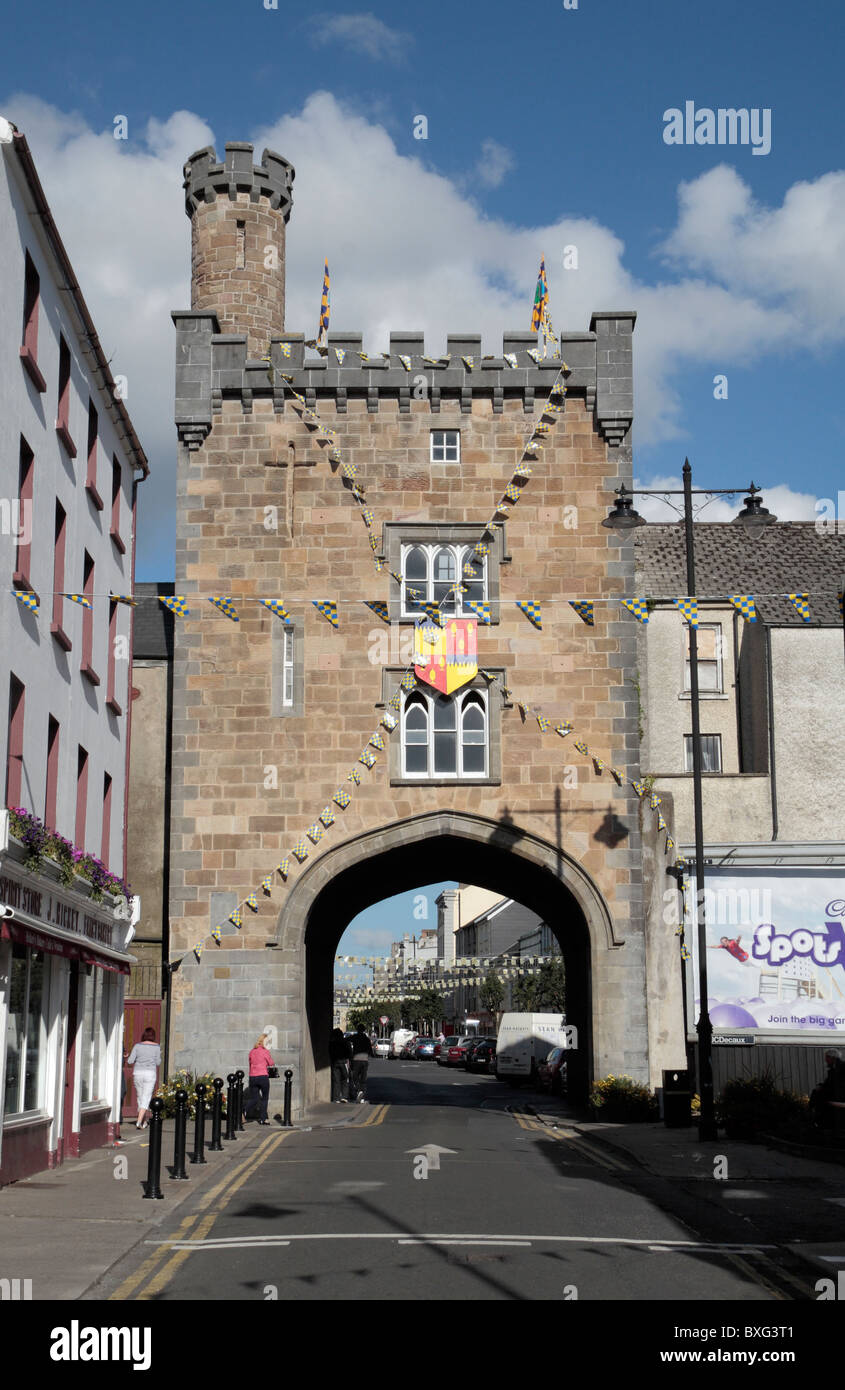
x=63, y=959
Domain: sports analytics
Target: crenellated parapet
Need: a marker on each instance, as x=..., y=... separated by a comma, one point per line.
x=206, y=179
x=212, y=367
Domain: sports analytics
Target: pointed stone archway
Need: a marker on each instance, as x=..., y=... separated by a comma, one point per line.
x=498, y=855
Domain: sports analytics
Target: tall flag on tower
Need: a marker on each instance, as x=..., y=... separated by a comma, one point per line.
x=325, y=308
x=541, y=299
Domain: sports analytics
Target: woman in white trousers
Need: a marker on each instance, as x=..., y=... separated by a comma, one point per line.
x=145, y=1059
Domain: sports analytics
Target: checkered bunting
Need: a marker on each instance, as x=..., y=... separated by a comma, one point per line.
x=354, y=776
x=488, y=675
x=315, y=833
x=198, y=950
x=341, y=798
x=640, y=788
x=480, y=549
x=670, y=844
x=226, y=606
x=348, y=469
x=389, y=721
x=124, y=598
x=28, y=600
x=598, y=764
x=373, y=542
x=481, y=610
x=661, y=821
x=300, y=851
x=395, y=700
x=582, y=747
x=512, y=492
x=540, y=430
x=276, y=606
x=359, y=493
x=340, y=353
x=367, y=517
x=510, y=358
x=380, y=608
x=216, y=934
x=800, y=604
x=376, y=741
x=267, y=885
x=689, y=609
x=617, y=775
x=176, y=604
x=469, y=363
x=327, y=608
x=744, y=604
x=283, y=867
x=638, y=607
x=584, y=608
x=531, y=609
x=535, y=354
x=470, y=570
x=367, y=758
x=544, y=723
x=406, y=361
x=252, y=902
x=502, y=512
x=80, y=599
x=563, y=729
x=236, y=918
x=523, y=710
x=523, y=470
x=654, y=801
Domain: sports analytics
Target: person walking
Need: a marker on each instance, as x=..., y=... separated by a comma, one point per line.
x=260, y=1063
x=362, y=1051
x=339, y=1055
x=144, y=1059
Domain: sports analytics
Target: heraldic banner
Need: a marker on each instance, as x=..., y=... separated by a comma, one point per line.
x=446, y=657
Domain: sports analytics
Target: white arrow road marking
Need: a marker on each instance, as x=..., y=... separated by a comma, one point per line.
x=353, y=1187
x=432, y=1153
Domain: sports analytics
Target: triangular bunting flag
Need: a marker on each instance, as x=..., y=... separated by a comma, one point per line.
x=744, y=604
x=236, y=918
x=584, y=609
x=267, y=885
x=638, y=607
x=226, y=606
x=598, y=764
x=640, y=788
x=800, y=604
x=380, y=608
x=563, y=729
x=80, y=599
x=481, y=610
x=367, y=758
x=544, y=723
x=28, y=600
x=300, y=851
x=376, y=741
x=198, y=949
x=512, y=492
x=617, y=776
x=315, y=833
x=689, y=609
x=661, y=823
x=276, y=606
x=252, y=902
x=469, y=363
x=408, y=681
x=389, y=720
x=124, y=598
x=654, y=801
x=327, y=608
x=341, y=798
x=531, y=610
x=582, y=747
x=176, y=604
x=406, y=361
x=283, y=868
x=216, y=934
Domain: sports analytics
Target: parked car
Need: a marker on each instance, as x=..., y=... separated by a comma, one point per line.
x=398, y=1040
x=409, y=1049
x=525, y=1040
x=381, y=1047
x=474, y=1045
x=483, y=1057
x=453, y=1056
x=424, y=1048
x=551, y=1074
x=442, y=1048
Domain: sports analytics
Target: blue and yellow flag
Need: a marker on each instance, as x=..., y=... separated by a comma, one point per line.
x=541, y=298
x=325, y=307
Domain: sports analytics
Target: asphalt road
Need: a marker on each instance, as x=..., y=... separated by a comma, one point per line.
x=509, y=1208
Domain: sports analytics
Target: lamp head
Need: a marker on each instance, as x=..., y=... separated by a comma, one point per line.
x=622, y=516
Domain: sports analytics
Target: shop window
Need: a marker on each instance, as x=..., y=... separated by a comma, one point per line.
x=24, y=1032
x=91, y=1036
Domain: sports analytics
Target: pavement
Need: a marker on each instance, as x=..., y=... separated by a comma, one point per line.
x=65, y=1229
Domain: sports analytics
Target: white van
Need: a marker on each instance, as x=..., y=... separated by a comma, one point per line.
x=399, y=1039
x=525, y=1040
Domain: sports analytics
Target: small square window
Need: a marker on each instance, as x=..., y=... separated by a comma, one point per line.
x=445, y=446
x=711, y=752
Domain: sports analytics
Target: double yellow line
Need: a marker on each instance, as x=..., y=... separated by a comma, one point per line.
x=576, y=1141
x=157, y=1271
x=375, y=1117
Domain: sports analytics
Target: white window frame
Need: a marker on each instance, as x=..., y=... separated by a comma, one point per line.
x=688, y=753
x=92, y=1040
x=439, y=441
x=461, y=554
x=288, y=667
x=462, y=699
x=704, y=691
x=41, y=1043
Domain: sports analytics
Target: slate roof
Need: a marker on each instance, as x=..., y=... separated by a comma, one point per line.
x=153, y=629
x=786, y=557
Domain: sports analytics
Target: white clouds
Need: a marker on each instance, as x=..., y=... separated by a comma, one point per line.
x=783, y=501
x=362, y=33
x=410, y=249
x=495, y=163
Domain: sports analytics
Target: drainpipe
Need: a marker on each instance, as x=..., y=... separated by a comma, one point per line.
x=772, y=770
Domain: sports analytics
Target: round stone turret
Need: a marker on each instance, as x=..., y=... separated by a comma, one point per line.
x=238, y=213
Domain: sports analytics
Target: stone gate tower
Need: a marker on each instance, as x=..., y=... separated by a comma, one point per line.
x=270, y=715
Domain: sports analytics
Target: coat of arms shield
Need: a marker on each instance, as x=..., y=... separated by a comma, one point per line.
x=446, y=657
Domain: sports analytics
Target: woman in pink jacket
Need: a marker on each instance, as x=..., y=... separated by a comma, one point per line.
x=260, y=1062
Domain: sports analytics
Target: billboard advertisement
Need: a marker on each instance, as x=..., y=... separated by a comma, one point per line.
x=775, y=951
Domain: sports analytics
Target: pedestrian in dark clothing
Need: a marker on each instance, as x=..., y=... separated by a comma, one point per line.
x=339, y=1056
x=831, y=1089
x=362, y=1051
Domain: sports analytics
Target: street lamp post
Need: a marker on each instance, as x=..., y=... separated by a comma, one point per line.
x=753, y=517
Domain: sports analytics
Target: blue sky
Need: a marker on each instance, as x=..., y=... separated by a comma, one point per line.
x=372, y=931
x=545, y=128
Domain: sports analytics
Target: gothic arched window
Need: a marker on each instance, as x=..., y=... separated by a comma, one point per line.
x=445, y=735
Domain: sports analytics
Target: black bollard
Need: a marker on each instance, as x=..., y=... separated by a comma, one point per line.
x=240, y=1077
x=286, y=1122
x=181, y=1131
x=198, y=1156
x=153, y=1183
x=216, y=1115
x=230, y=1106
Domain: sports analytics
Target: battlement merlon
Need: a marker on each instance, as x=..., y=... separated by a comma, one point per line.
x=206, y=179
x=212, y=366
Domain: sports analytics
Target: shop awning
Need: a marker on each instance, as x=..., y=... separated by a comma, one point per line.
x=61, y=944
